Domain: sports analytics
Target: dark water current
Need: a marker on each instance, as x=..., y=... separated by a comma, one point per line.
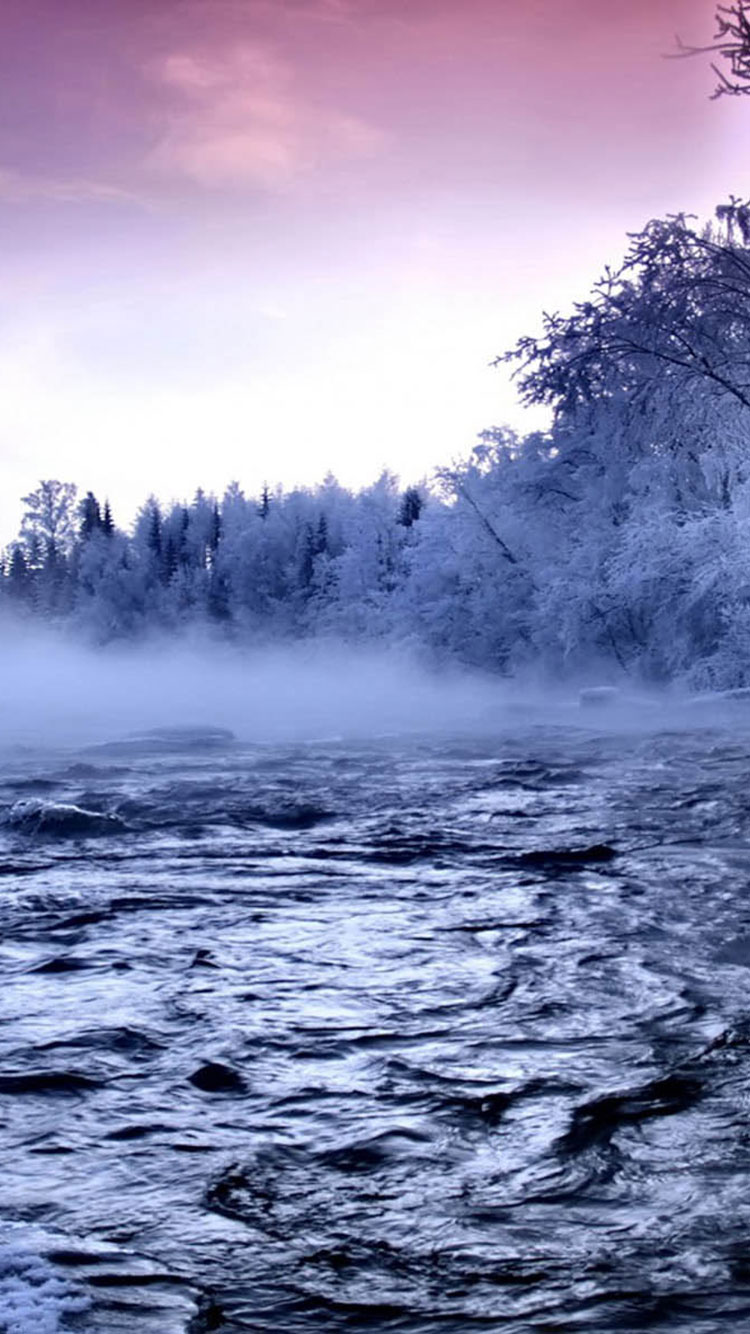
x=413, y=1036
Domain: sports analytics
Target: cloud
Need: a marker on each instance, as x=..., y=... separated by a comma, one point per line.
x=20, y=188
x=237, y=118
x=222, y=95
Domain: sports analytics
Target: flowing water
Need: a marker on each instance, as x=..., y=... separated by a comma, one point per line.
x=413, y=1035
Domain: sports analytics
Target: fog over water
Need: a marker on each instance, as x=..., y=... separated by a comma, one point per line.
x=56, y=690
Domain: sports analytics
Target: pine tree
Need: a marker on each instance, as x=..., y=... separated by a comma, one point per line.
x=411, y=507
x=90, y=515
x=19, y=577
x=214, y=537
x=154, y=534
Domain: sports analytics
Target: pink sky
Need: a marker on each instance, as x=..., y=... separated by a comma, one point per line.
x=264, y=238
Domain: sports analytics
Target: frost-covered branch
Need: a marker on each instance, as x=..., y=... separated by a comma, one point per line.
x=732, y=43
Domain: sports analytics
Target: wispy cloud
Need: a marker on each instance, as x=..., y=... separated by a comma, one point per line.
x=227, y=96
x=238, y=117
x=18, y=187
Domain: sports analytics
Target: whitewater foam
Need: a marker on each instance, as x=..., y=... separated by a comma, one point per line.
x=34, y=1299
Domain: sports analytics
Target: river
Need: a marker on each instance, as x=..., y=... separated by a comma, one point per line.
x=418, y=1034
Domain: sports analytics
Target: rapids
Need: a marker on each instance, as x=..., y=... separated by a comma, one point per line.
x=416, y=1034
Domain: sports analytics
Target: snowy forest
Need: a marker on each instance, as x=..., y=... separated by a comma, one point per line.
x=616, y=541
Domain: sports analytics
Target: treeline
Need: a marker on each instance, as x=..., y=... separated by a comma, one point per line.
x=616, y=541
x=308, y=561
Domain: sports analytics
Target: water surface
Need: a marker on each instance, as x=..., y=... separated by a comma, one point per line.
x=410, y=1035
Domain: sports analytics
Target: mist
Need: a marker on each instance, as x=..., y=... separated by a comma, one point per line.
x=58, y=692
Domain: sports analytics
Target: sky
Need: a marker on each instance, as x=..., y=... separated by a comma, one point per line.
x=264, y=239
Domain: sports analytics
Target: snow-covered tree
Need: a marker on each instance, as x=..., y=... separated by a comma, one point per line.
x=49, y=517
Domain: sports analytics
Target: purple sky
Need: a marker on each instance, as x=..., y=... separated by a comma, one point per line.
x=262, y=239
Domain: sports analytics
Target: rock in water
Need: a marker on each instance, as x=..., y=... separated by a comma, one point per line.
x=168, y=741
x=598, y=697
x=217, y=1078
x=189, y=735
x=60, y=820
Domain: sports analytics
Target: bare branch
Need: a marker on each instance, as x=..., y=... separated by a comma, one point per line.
x=732, y=43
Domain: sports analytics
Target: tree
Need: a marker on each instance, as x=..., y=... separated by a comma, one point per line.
x=153, y=528
x=674, y=316
x=48, y=531
x=19, y=578
x=411, y=506
x=214, y=533
x=90, y=515
x=49, y=517
x=732, y=43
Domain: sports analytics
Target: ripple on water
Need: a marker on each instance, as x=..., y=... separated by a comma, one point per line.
x=416, y=1037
